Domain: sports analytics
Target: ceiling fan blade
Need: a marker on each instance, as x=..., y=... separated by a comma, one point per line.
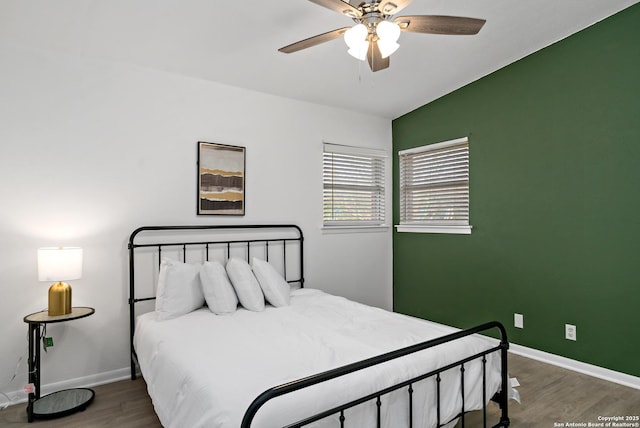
x=391, y=7
x=376, y=62
x=312, y=41
x=340, y=7
x=438, y=24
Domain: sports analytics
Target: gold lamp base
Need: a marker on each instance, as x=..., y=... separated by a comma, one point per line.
x=60, y=299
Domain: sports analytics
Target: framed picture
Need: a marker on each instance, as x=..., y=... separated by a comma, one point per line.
x=220, y=179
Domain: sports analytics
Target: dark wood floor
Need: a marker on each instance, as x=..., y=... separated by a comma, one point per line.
x=550, y=395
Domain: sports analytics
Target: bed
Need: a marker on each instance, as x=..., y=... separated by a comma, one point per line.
x=317, y=361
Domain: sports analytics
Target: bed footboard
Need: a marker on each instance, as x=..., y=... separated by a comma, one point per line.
x=501, y=397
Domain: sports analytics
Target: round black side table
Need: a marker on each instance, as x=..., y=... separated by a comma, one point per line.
x=60, y=403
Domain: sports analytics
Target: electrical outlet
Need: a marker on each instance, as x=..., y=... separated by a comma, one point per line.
x=570, y=332
x=518, y=320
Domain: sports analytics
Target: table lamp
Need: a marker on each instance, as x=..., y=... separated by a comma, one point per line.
x=59, y=264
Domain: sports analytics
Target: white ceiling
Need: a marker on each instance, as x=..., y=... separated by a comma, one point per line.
x=236, y=42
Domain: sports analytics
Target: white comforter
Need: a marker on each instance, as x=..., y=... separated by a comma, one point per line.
x=203, y=370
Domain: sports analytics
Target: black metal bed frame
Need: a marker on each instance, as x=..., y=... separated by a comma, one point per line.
x=501, y=397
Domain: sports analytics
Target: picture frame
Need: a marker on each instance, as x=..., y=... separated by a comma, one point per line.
x=221, y=179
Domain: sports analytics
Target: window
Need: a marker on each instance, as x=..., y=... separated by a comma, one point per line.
x=434, y=188
x=354, y=191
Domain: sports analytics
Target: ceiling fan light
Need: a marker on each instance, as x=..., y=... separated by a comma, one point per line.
x=356, y=35
x=359, y=52
x=388, y=31
x=387, y=48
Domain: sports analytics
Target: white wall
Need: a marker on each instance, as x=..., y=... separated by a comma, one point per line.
x=90, y=150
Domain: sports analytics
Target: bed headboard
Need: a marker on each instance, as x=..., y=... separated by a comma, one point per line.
x=281, y=245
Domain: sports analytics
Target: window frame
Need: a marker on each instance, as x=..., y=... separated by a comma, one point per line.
x=433, y=226
x=380, y=181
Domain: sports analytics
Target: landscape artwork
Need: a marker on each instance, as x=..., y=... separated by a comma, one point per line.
x=220, y=179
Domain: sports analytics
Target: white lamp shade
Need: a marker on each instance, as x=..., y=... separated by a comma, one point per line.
x=387, y=47
x=59, y=263
x=355, y=36
x=359, y=52
x=388, y=31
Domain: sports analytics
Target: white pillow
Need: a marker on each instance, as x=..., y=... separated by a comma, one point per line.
x=245, y=284
x=218, y=291
x=179, y=291
x=273, y=285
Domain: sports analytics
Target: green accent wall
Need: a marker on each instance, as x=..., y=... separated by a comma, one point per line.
x=555, y=200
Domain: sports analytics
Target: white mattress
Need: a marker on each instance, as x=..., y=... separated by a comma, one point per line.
x=203, y=370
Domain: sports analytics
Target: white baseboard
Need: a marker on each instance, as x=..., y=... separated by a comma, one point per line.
x=577, y=366
x=20, y=396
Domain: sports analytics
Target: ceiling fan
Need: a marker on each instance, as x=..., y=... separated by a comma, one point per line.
x=376, y=32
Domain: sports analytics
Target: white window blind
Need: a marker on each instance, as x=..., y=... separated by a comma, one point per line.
x=354, y=191
x=434, y=186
